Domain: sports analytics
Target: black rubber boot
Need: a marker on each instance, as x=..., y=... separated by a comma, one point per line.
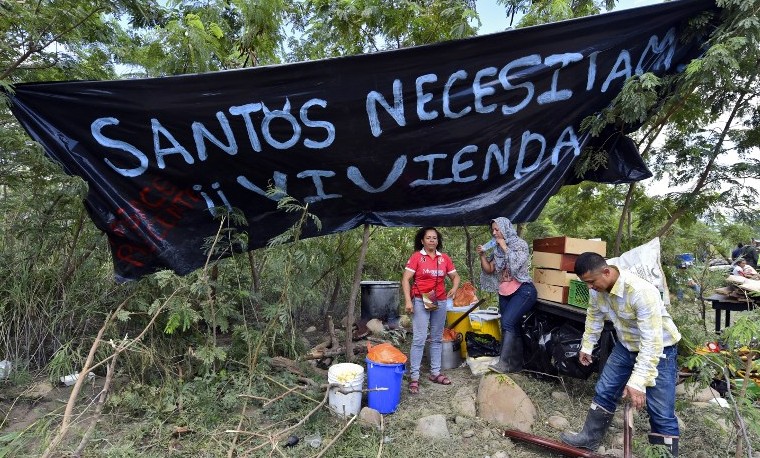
x=670, y=443
x=597, y=422
x=511, y=358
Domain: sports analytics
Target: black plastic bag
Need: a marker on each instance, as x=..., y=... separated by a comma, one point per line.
x=538, y=344
x=481, y=344
x=566, y=347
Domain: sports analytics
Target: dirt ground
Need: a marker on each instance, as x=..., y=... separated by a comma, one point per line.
x=20, y=410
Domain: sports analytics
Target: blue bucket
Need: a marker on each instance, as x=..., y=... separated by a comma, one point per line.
x=388, y=376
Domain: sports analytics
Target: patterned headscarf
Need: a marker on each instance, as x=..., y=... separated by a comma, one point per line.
x=516, y=261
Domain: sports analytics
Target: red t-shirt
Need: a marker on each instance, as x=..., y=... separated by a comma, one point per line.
x=430, y=273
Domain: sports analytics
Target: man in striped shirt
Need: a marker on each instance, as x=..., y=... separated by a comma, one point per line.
x=642, y=365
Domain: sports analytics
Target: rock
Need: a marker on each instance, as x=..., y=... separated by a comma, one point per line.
x=693, y=392
x=464, y=422
x=376, y=326
x=463, y=402
x=310, y=329
x=467, y=433
x=558, y=423
x=433, y=426
x=502, y=401
x=560, y=395
x=370, y=417
x=725, y=426
x=618, y=439
x=405, y=322
x=500, y=454
x=681, y=425
x=614, y=452
x=38, y=390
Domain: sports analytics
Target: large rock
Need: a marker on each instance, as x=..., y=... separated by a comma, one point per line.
x=370, y=417
x=502, y=401
x=433, y=426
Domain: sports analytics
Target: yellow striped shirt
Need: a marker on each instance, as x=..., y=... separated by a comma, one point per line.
x=641, y=322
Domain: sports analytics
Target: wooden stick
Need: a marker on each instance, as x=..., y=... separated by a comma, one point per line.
x=288, y=388
x=327, y=447
x=279, y=397
x=110, y=370
x=354, y=293
x=382, y=438
x=66, y=421
x=331, y=330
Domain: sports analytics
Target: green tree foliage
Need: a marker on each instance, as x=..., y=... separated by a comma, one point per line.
x=700, y=127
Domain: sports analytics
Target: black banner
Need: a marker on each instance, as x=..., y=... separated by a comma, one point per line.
x=454, y=133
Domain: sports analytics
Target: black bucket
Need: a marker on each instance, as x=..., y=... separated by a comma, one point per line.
x=380, y=299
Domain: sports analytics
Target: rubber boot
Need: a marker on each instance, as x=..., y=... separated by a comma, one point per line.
x=597, y=422
x=511, y=358
x=669, y=442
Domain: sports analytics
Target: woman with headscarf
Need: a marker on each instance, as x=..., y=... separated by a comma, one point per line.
x=505, y=271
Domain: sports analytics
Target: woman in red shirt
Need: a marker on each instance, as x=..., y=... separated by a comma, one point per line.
x=424, y=285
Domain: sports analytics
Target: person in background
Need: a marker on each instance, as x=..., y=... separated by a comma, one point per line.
x=737, y=251
x=425, y=297
x=749, y=253
x=738, y=269
x=505, y=271
x=745, y=270
x=642, y=366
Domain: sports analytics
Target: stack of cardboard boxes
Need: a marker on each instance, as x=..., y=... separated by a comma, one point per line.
x=554, y=264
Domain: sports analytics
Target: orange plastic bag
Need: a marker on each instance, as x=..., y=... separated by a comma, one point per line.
x=385, y=353
x=450, y=335
x=465, y=295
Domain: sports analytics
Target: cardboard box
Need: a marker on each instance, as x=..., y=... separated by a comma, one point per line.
x=554, y=261
x=569, y=245
x=552, y=292
x=553, y=277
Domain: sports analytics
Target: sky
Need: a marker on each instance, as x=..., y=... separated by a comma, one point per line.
x=493, y=16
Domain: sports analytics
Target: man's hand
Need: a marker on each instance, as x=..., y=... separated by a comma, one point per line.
x=638, y=398
x=585, y=358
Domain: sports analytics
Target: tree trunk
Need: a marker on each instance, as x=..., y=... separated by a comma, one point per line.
x=468, y=253
x=354, y=293
x=255, y=276
x=625, y=212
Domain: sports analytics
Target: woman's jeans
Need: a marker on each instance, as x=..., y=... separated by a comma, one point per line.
x=513, y=307
x=421, y=318
x=661, y=398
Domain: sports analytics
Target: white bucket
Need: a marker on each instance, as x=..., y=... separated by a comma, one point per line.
x=351, y=377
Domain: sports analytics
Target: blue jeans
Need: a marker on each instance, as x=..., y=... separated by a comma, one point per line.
x=661, y=398
x=421, y=319
x=513, y=307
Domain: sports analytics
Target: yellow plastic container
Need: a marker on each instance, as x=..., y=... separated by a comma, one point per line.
x=486, y=322
x=462, y=327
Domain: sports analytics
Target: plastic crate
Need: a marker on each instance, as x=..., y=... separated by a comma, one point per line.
x=578, y=294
